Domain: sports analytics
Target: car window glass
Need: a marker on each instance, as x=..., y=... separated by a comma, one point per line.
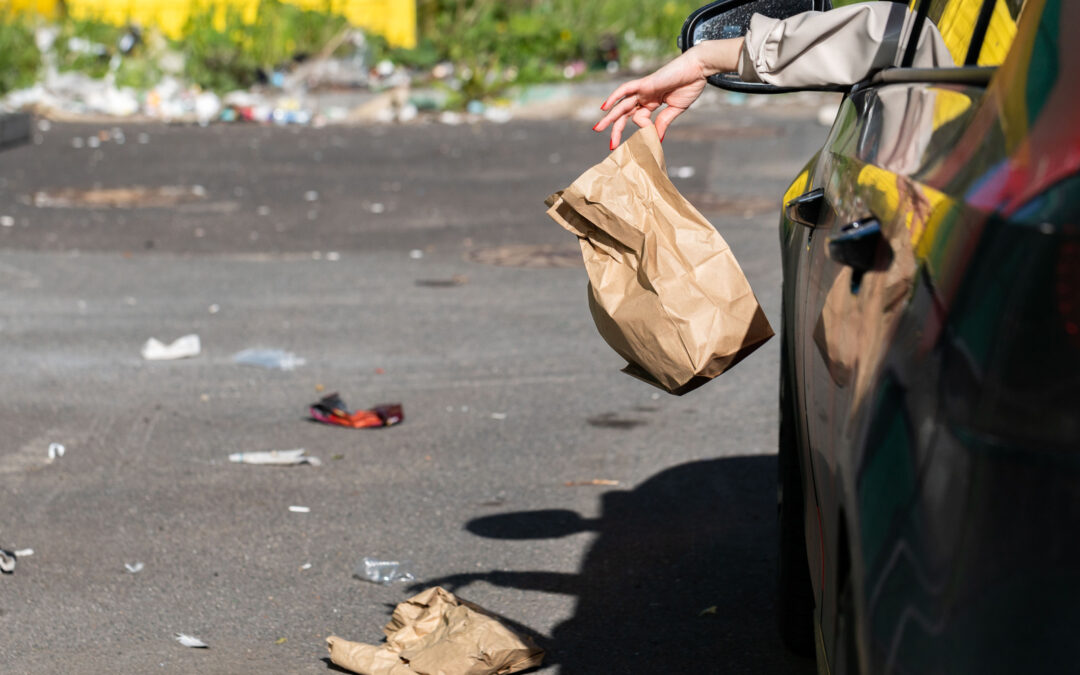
x=958, y=21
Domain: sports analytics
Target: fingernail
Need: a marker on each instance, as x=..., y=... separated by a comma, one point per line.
x=595, y=125
x=611, y=145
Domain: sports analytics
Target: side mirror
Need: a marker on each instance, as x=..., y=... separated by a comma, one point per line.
x=731, y=19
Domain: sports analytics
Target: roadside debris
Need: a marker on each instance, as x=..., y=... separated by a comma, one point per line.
x=383, y=572
x=275, y=457
x=134, y=568
x=456, y=280
x=189, y=641
x=181, y=348
x=593, y=481
x=8, y=559
x=56, y=450
x=436, y=633
x=331, y=409
x=300, y=509
x=272, y=359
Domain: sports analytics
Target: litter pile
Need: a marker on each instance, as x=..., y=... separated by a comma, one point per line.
x=437, y=633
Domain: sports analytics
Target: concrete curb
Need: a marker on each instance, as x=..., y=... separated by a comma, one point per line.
x=14, y=128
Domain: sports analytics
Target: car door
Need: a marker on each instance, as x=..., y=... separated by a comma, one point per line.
x=858, y=335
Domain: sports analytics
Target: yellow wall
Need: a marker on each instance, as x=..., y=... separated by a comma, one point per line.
x=394, y=19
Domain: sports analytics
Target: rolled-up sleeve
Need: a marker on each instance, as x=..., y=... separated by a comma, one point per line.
x=841, y=46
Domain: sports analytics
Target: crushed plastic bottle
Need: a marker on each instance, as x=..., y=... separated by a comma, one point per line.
x=383, y=572
x=273, y=359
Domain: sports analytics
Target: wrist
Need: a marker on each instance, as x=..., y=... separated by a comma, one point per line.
x=716, y=56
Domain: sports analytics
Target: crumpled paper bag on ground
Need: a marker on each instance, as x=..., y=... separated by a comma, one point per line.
x=665, y=291
x=436, y=633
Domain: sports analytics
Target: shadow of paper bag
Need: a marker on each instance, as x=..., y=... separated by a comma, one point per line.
x=665, y=291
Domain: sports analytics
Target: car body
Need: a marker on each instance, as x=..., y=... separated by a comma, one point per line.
x=930, y=368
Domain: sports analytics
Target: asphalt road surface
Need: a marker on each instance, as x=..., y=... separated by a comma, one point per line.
x=403, y=263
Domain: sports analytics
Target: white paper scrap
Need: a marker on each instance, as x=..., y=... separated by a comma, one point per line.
x=189, y=641
x=300, y=509
x=134, y=569
x=56, y=450
x=275, y=457
x=181, y=348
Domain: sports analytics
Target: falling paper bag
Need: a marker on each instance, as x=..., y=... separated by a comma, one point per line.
x=437, y=633
x=665, y=290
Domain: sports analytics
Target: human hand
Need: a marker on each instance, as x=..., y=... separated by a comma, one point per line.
x=677, y=84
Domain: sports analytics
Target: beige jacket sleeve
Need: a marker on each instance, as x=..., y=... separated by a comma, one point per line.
x=840, y=46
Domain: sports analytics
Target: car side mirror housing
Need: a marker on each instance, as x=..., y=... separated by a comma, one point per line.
x=731, y=19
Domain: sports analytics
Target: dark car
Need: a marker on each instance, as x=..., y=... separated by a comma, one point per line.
x=929, y=487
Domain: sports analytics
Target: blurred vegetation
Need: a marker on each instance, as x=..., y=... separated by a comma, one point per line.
x=19, y=57
x=224, y=52
x=492, y=43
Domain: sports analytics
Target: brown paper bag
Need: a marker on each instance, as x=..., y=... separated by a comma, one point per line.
x=436, y=633
x=665, y=291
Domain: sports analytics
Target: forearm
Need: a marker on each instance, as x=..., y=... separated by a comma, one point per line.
x=717, y=56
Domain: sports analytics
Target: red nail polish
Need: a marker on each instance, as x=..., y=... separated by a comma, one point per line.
x=611, y=145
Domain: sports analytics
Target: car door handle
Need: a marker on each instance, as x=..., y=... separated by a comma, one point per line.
x=857, y=244
x=806, y=209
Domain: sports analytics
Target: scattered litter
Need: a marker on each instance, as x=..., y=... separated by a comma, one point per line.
x=456, y=280
x=275, y=457
x=305, y=566
x=434, y=632
x=7, y=561
x=377, y=208
x=181, y=348
x=592, y=481
x=416, y=254
x=683, y=171
x=189, y=641
x=498, y=416
x=273, y=359
x=24, y=552
x=383, y=572
x=333, y=256
x=134, y=568
x=337, y=457
x=56, y=450
x=311, y=196
x=214, y=308
x=300, y=509
x=7, y=221
x=281, y=641
x=331, y=409
x=709, y=611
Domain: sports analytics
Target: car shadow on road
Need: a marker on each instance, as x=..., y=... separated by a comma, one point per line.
x=679, y=579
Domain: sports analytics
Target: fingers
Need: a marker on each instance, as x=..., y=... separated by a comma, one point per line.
x=616, y=132
x=622, y=90
x=665, y=118
x=624, y=107
x=643, y=116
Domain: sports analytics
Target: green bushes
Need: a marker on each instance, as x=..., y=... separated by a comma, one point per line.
x=236, y=54
x=523, y=41
x=19, y=57
x=493, y=43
